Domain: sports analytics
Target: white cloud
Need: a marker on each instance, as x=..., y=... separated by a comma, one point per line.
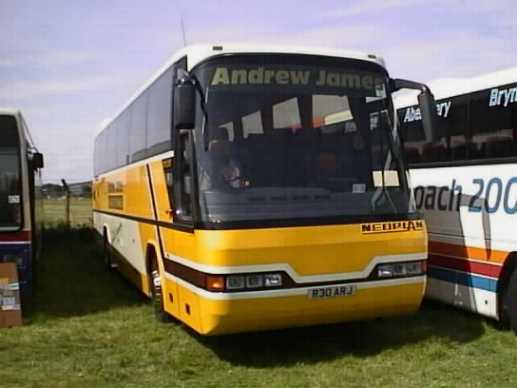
x=15, y=58
x=62, y=58
x=464, y=6
x=349, y=37
x=27, y=89
x=454, y=55
x=366, y=6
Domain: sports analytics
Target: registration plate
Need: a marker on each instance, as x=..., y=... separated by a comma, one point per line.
x=331, y=291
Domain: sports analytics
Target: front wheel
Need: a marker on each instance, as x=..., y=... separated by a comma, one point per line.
x=157, y=294
x=510, y=303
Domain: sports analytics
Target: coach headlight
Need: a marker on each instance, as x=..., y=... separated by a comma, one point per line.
x=235, y=282
x=413, y=268
x=253, y=281
x=10, y=258
x=273, y=280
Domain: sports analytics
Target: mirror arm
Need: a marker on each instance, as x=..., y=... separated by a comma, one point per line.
x=397, y=84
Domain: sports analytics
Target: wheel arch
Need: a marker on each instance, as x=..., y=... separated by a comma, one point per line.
x=151, y=253
x=509, y=267
x=106, y=233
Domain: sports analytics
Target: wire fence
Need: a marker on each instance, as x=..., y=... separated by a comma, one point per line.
x=55, y=212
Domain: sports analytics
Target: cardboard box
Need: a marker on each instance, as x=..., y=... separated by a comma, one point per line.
x=10, y=305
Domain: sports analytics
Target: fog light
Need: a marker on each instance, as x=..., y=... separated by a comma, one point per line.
x=235, y=282
x=254, y=281
x=272, y=280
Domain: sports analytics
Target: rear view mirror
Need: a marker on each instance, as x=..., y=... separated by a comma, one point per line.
x=184, y=103
x=427, y=106
x=37, y=161
x=429, y=116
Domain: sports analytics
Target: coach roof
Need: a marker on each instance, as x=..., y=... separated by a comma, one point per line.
x=9, y=111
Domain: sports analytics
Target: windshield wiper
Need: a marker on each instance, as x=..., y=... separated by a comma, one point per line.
x=384, y=191
x=204, y=102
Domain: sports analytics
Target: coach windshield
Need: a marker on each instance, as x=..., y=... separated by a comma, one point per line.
x=10, y=195
x=293, y=137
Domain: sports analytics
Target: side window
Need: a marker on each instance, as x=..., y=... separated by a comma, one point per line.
x=111, y=146
x=159, y=115
x=123, y=124
x=494, y=119
x=138, y=128
x=412, y=133
x=96, y=156
x=102, y=152
x=455, y=131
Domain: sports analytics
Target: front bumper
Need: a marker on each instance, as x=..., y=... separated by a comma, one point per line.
x=213, y=313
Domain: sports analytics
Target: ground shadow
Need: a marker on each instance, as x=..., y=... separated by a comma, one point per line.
x=71, y=280
x=434, y=321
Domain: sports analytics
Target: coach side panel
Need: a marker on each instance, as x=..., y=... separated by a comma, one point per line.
x=470, y=212
x=124, y=215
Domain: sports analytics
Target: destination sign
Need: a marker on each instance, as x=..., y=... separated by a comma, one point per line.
x=367, y=82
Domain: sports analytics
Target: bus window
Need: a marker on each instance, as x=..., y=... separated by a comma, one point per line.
x=124, y=122
x=159, y=115
x=138, y=129
x=493, y=127
x=10, y=185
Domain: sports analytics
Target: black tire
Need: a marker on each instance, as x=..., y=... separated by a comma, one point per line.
x=510, y=303
x=156, y=292
x=106, y=254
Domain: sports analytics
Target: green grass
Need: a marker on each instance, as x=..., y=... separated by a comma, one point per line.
x=89, y=328
x=80, y=211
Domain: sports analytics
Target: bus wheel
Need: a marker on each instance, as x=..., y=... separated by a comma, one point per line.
x=106, y=251
x=156, y=292
x=510, y=302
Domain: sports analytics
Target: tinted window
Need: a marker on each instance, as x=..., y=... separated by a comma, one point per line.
x=103, y=152
x=111, y=146
x=452, y=128
x=143, y=129
x=96, y=156
x=159, y=115
x=10, y=194
x=494, y=119
x=123, y=123
x=481, y=125
x=311, y=146
x=137, y=133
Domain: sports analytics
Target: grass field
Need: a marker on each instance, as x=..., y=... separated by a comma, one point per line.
x=87, y=327
x=80, y=211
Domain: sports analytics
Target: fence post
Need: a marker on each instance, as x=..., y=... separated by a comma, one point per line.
x=67, y=203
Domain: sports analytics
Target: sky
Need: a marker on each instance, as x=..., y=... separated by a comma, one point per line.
x=69, y=65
